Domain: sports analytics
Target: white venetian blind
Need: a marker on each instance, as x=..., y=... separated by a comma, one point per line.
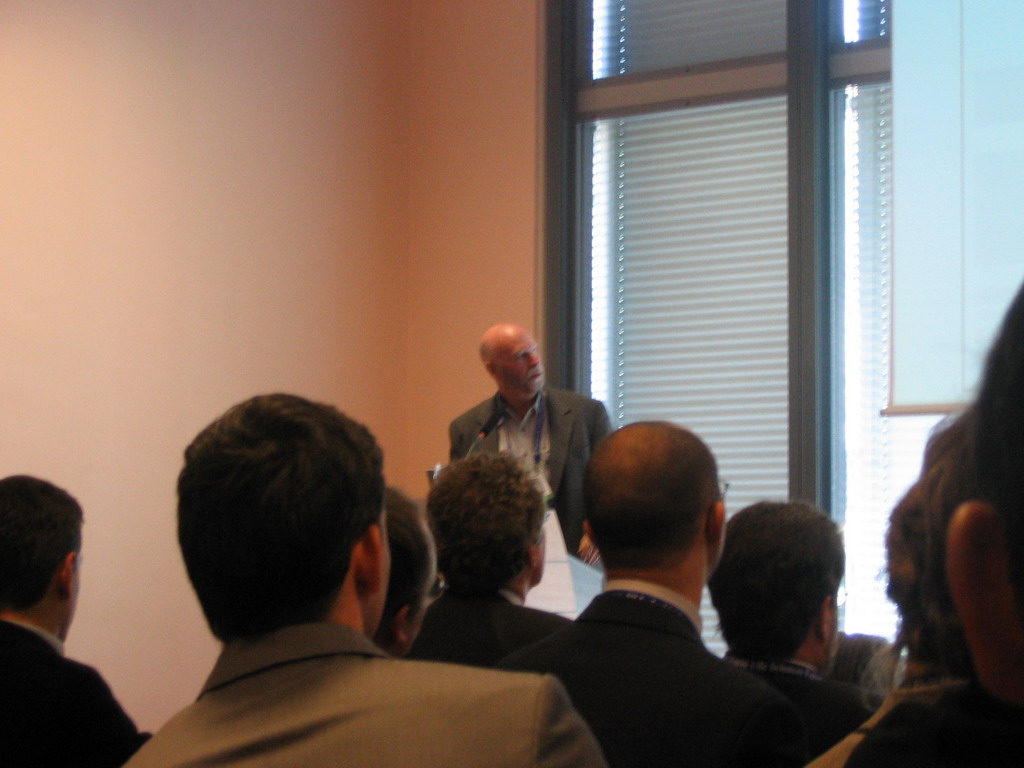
x=648, y=35
x=689, y=318
x=882, y=454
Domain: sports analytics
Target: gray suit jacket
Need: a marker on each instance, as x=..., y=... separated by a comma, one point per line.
x=576, y=424
x=323, y=695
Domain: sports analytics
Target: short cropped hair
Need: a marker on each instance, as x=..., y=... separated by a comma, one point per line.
x=779, y=563
x=272, y=498
x=485, y=512
x=646, y=490
x=412, y=555
x=40, y=524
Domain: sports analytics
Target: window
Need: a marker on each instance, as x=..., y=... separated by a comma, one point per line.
x=738, y=271
x=699, y=279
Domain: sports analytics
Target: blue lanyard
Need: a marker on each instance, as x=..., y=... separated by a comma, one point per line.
x=538, y=427
x=538, y=430
x=780, y=667
x=643, y=597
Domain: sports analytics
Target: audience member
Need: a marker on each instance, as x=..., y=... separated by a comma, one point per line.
x=633, y=662
x=930, y=634
x=414, y=582
x=488, y=517
x=866, y=661
x=776, y=592
x=280, y=525
x=551, y=431
x=981, y=723
x=53, y=711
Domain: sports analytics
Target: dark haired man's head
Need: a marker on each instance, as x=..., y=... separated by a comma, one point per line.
x=413, y=573
x=930, y=629
x=486, y=514
x=40, y=537
x=274, y=498
x=647, y=491
x=781, y=563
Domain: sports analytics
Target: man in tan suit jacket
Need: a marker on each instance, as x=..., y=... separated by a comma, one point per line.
x=280, y=525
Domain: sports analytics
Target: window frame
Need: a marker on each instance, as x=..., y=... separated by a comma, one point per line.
x=811, y=68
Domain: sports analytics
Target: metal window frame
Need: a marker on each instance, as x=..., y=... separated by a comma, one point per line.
x=807, y=72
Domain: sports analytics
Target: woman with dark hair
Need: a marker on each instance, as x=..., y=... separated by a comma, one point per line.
x=930, y=640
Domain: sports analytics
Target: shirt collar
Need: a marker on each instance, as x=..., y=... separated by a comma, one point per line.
x=503, y=406
x=53, y=640
x=670, y=596
x=511, y=596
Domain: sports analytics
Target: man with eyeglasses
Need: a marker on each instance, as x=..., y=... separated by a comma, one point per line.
x=633, y=662
x=415, y=582
x=551, y=431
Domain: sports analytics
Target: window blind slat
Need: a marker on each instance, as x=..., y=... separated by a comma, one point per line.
x=646, y=35
x=692, y=327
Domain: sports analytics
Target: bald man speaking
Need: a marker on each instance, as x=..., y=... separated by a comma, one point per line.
x=551, y=431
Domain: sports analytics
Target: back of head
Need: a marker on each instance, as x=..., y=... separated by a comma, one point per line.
x=486, y=513
x=271, y=500
x=930, y=629
x=39, y=525
x=999, y=442
x=646, y=490
x=412, y=558
x=779, y=563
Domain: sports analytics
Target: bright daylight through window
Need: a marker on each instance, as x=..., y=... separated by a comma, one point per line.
x=684, y=225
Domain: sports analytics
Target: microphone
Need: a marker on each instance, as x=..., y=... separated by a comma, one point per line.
x=488, y=427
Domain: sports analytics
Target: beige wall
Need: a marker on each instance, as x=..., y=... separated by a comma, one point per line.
x=203, y=200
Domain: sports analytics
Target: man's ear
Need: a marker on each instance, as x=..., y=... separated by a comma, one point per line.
x=66, y=576
x=714, y=525
x=535, y=557
x=369, y=570
x=401, y=626
x=978, y=572
x=825, y=624
x=369, y=564
x=714, y=534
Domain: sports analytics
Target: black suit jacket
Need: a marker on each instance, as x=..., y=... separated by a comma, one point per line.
x=575, y=425
x=54, y=711
x=966, y=728
x=655, y=696
x=831, y=710
x=480, y=630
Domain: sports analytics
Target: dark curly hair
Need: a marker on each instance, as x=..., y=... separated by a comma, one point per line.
x=916, y=550
x=485, y=512
x=779, y=562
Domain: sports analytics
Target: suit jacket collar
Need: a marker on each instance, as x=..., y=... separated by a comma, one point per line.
x=560, y=428
x=558, y=412
x=483, y=412
x=612, y=608
x=27, y=633
x=243, y=658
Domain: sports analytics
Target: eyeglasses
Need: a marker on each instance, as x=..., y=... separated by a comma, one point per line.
x=723, y=488
x=437, y=588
